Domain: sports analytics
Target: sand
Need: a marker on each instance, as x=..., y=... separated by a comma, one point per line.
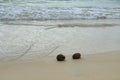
x=104, y=66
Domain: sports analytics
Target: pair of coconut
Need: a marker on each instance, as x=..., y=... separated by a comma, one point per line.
x=61, y=57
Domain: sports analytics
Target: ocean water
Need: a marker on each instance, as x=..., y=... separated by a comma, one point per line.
x=59, y=9
x=37, y=28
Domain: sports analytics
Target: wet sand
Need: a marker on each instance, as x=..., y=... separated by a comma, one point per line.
x=31, y=39
x=104, y=66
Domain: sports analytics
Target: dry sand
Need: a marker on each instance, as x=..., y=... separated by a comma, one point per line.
x=104, y=66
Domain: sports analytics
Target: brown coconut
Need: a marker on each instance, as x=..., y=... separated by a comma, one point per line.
x=60, y=57
x=76, y=56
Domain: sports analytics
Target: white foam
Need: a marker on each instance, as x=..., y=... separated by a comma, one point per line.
x=42, y=13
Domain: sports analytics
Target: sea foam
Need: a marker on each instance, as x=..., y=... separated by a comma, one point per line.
x=56, y=13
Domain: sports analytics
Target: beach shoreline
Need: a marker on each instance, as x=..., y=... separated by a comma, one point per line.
x=24, y=39
x=34, y=32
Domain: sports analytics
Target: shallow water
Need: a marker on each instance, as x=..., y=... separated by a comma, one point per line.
x=31, y=39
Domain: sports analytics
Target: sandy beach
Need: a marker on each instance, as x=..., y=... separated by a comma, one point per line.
x=28, y=51
x=34, y=32
x=104, y=66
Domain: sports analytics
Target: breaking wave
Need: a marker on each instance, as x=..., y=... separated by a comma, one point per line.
x=15, y=12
